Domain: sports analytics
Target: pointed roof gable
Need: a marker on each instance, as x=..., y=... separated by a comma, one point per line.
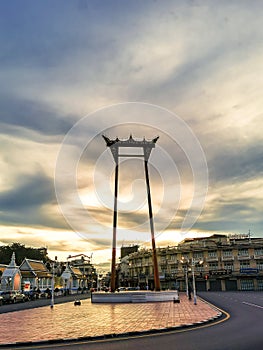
x=37, y=268
x=66, y=274
x=71, y=271
x=76, y=272
x=12, y=269
x=13, y=261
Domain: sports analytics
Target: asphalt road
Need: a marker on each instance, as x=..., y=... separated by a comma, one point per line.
x=242, y=331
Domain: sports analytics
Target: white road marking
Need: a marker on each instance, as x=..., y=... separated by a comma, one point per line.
x=250, y=304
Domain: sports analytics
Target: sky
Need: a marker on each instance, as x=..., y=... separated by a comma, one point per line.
x=190, y=72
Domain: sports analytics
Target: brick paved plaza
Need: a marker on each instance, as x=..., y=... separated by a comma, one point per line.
x=91, y=320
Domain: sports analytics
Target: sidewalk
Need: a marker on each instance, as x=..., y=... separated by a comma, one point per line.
x=91, y=321
x=42, y=302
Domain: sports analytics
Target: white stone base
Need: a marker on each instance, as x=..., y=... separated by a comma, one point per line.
x=135, y=297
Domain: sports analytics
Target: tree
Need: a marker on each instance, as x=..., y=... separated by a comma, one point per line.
x=21, y=252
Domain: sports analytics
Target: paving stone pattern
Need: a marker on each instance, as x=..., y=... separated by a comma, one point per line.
x=67, y=321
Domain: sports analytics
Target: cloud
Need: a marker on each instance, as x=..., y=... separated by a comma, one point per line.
x=32, y=115
x=239, y=164
x=233, y=206
x=31, y=202
x=200, y=61
x=30, y=192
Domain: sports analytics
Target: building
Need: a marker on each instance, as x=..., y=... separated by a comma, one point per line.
x=35, y=275
x=218, y=262
x=73, y=279
x=127, y=250
x=82, y=265
x=11, y=276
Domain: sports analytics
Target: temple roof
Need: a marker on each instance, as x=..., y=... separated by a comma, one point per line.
x=130, y=142
x=71, y=271
x=31, y=268
x=12, y=269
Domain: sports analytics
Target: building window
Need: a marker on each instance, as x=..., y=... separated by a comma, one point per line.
x=199, y=268
x=146, y=261
x=164, y=269
x=227, y=253
x=75, y=283
x=174, y=268
x=212, y=254
x=213, y=266
x=260, y=264
x=185, y=257
x=229, y=266
x=244, y=264
x=258, y=251
x=198, y=255
x=243, y=252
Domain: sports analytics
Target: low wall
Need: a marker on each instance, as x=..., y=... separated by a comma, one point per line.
x=134, y=297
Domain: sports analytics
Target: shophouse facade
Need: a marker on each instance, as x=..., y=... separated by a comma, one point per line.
x=218, y=263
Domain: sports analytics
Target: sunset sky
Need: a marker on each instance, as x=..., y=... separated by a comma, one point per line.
x=190, y=72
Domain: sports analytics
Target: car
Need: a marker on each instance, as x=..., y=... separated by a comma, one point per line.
x=13, y=296
x=32, y=294
x=132, y=288
x=1, y=300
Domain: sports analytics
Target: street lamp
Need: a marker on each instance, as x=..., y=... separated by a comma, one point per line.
x=194, y=262
x=52, y=288
x=185, y=261
x=65, y=288
x=52, y=284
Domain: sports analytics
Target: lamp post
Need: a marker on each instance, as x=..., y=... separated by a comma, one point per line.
x=193, y=274
x=65, y=289
x=52, y=288
x=194, y=262
x=185, y=262
x=186, y=281
x=53, y=284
